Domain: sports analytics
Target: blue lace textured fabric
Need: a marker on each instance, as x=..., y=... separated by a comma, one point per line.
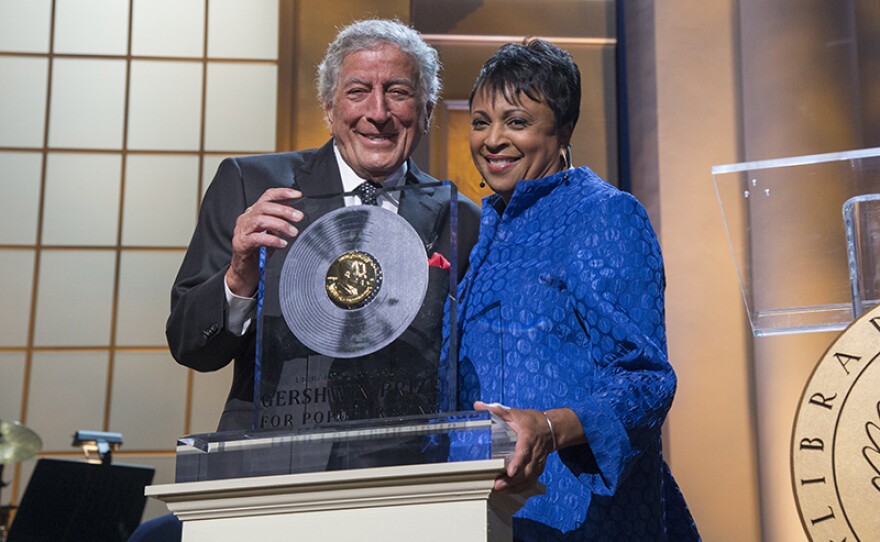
x=563, y=307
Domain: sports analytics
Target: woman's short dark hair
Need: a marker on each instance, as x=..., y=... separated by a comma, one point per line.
x=540, y=70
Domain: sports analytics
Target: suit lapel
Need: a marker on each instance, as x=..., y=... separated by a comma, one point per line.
x=422, y=208
x=319, y=176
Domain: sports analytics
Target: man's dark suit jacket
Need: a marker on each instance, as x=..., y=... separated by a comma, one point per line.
x=196, y=331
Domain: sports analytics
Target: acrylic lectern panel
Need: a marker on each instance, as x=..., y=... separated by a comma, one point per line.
x=787, y=235
x=861, y=218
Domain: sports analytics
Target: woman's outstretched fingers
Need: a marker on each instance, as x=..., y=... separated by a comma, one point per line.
x=533, y=445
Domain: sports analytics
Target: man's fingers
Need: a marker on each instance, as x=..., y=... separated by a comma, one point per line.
x=271, y=224
x=273, y=234
x=271, y=208
x=280, y=194
x=263, y=239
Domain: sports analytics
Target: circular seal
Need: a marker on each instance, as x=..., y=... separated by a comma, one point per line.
x=835, y=446
x=353, y=280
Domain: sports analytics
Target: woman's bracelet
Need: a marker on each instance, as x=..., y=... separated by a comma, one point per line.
x=552, y=433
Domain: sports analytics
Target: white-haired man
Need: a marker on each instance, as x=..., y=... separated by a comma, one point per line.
x=378, y=85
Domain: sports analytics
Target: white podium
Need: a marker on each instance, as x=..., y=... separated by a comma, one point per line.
x=431, y=503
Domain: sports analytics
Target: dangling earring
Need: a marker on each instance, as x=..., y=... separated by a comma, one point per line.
x=483, y=183
x=566, y=157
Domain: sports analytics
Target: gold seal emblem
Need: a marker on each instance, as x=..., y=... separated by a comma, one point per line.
x=353, y=280
x=835, y=447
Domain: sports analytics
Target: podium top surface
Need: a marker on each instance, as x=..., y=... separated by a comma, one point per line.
x=377, y=476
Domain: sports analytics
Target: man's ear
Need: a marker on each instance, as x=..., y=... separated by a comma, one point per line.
x=429, y=110
x=328, y=116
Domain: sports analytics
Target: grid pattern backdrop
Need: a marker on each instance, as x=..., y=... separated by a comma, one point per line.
x=114, y=115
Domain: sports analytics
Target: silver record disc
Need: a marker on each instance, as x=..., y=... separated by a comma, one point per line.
x=353, y=281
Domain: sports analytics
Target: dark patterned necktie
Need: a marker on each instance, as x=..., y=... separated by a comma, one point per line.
x=366, y=191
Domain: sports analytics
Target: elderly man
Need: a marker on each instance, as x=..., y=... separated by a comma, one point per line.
x=378, y=84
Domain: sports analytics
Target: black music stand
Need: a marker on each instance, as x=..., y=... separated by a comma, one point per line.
x=67, y=501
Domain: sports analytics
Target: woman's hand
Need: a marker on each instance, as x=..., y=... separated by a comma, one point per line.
x=534, y=442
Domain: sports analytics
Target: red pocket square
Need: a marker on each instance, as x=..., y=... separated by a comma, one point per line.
x=437, y=260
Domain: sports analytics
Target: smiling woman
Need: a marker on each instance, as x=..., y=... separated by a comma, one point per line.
x=561, y=317
x=514, y=138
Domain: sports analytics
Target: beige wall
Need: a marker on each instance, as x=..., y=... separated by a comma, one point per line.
x=685, y=119
x=716, y=83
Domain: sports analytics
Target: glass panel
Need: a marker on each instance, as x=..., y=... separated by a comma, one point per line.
x=97, y=27
x=12, y=384
x=786, y=230
x=22, y=101
x=82, y=199
x=165, y=105
x=88, y=98
x=861, y=217
x=348, y=324
x=243, y=29
x=146, y=382
x=240, y=107
x=20, y=194
x=24, y=26
x=410, y=440
x=209, y=392
x=67, y=393
x=160, y=200
x=145, y=280
x=75, y=298
x=16, y=286
x=168, y=28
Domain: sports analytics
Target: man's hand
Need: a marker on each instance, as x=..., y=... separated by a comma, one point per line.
x=269, y=222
